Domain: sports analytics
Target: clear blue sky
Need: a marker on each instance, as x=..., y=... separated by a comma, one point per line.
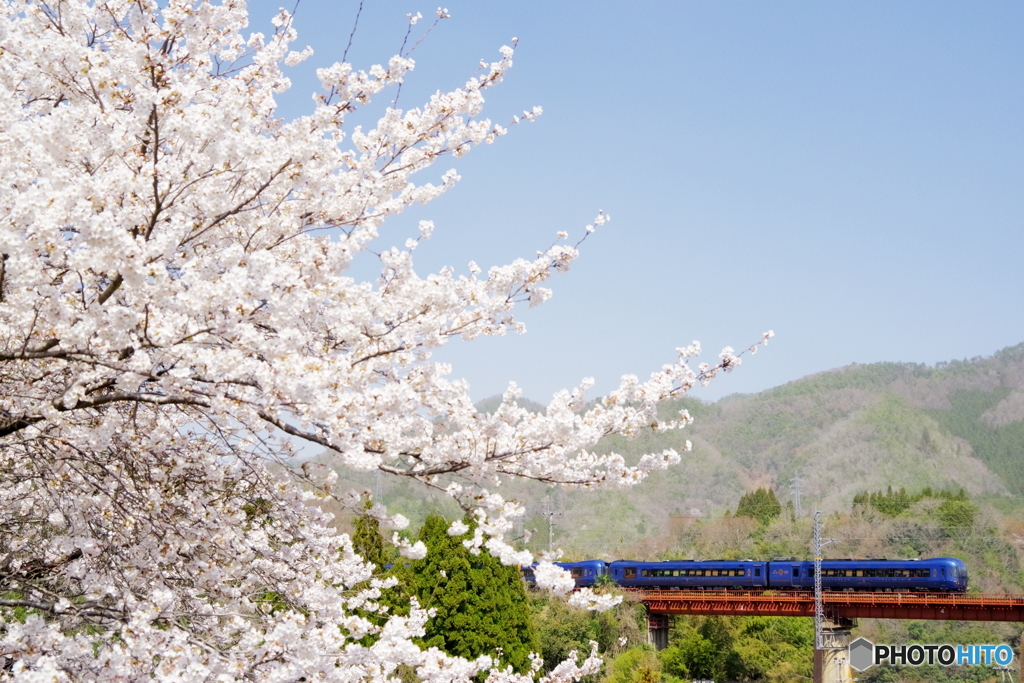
x=850, y=175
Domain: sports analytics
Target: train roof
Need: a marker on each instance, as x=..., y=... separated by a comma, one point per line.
x=638, y=562
x=891, y=560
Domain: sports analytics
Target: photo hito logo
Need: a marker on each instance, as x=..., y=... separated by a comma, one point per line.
x=864, y=654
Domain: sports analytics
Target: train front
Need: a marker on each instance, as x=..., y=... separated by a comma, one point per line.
x=956, y=574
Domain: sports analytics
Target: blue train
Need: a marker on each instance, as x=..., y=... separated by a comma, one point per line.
x=941, y=574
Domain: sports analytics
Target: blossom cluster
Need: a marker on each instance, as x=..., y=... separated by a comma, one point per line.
x=176, y=312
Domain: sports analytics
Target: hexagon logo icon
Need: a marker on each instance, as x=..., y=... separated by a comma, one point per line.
x=862, y=654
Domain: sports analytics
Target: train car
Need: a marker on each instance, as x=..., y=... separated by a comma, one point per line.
x=941, y=574
x=690, y=574
x=585, y=573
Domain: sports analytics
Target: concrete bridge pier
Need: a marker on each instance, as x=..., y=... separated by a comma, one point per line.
x=657, y=630
x=831, y=661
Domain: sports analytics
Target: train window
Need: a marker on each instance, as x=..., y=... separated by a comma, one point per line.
x=860, y=572
x=796, y=572
x=757, y=571
x=629, y=572
x=810, y=572
x=645, y=572
x=576, y=573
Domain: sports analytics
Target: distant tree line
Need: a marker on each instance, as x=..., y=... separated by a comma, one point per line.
x=955, y=510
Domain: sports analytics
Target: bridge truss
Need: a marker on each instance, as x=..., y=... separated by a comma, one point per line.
x=839, y=605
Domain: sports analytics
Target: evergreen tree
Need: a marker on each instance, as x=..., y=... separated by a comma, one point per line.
x=894, y=503
x=956, y=515
x=761, y=505
x=480, y=603
x=371, y=545
x=367, y=539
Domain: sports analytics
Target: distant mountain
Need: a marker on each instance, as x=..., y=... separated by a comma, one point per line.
x=856, y=428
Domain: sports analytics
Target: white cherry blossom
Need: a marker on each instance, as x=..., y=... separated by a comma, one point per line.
x=177, y=313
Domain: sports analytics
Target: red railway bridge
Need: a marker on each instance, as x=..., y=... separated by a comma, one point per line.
x=839, y=605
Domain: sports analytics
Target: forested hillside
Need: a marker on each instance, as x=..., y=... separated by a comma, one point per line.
x=858, y=428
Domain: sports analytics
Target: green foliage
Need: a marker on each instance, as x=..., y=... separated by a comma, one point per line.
x=562, y=629
x=367, y=540
x=927, y=674
x=761, y=505
x=369, y=544
x=893, y=503
x=480, y=604
x=957, y=514
x=638, y=665
x=740, y=648
x=704, y=646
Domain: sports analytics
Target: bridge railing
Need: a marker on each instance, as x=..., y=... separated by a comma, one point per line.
x=896, y=605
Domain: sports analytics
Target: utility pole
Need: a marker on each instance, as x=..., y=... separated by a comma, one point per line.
x=832, y=635
x=550, y=514
x=819, y=608
x=794, y=484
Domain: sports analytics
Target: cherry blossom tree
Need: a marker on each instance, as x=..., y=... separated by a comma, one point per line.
x=176, y=314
